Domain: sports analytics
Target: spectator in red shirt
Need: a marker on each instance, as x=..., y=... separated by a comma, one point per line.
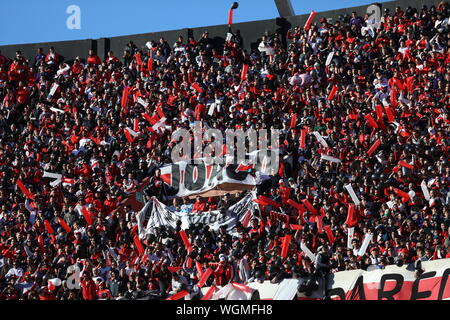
x=93, y=59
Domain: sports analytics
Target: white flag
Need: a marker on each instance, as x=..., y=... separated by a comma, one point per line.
x=425, y=191
x=320, y=139
x=212, y=107
x=160, y=124
x=365, y=244
x=352, y=194
x=56, y=176
x=132, y=132
x=350, y=235
x=142, y=102
x=331, y=159
x=329, y=58
x=52, y=175
x=57, y=110
x=308, y=252
x=53, y=90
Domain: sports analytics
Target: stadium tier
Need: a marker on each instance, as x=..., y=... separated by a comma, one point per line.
x=120, y=179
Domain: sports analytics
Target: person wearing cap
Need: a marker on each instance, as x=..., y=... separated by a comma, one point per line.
x=375, y=258
x=103, y=293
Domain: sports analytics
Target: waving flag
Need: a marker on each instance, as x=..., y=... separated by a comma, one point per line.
x=310, y=19
x=25, y=191
x=235, y=5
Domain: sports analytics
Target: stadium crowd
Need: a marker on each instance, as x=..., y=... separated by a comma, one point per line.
x=391, y=84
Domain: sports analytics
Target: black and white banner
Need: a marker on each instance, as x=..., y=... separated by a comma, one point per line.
x=186, y=178
x=156, y=214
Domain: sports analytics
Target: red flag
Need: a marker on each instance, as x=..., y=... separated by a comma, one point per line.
x=150, y=64
x=197, y=87
x=139, y=246
x=406, y=164
x=279, y=216
x=401, y=193
x=310, y=19
x=393, y=97
x=322, y=212
x=244, y=71
x=332, y=93
x=269, y=202
x=379, y=111
x=208, y=295
x=296, y=205
x=374, y=147
x=295, y=227
x=309, y=206
x=198, y=266
x=50, y=285
x=293, y=121
x=41, y=241
x=178, y=296
x=174, y=269
x=361, y=138
x=370, y=121
x=241, y=287
x=409, y=83
x=185, y=240
x=134, y=230
x=128, y=136
x=389, y=114
x=230, y=17
x=148, y=118
x=285, y=246
x=303, y=134
x=246, y=219
x=197, y=114
x=64, y=225
x=204, y=277
x=138, y=58
x=124, y=101
x=399, y=84
x=48, y=227
x=25, y=191
x=87, y=215
x=329, y=233
x=68, y=180
x=404, y=134
x=136, y=124
x=160, y=112
x=352, y=217
x=319, y=224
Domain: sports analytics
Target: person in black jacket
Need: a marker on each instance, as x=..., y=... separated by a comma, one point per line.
x=323, y=266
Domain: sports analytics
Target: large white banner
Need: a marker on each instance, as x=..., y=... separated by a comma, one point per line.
x=156, y=214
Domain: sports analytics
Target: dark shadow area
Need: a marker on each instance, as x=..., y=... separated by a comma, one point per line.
x=282, y=30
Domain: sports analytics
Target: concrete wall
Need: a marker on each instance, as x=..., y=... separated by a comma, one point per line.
x=250, y=32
